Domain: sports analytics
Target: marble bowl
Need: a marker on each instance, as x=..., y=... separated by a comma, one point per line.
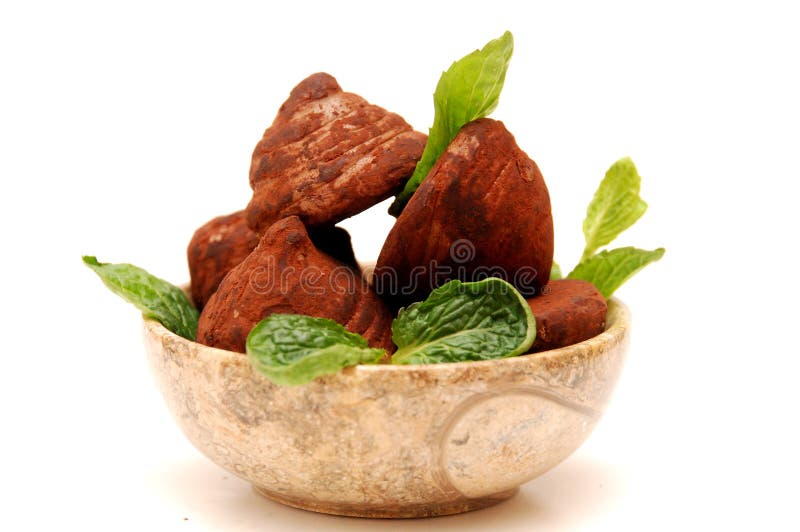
x=391, y=441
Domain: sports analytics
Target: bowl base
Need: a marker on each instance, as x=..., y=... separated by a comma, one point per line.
x=389, y=511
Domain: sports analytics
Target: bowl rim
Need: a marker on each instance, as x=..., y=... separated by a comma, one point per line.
x=617, y=324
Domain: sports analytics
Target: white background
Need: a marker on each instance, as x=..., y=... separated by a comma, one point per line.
x=124, y=127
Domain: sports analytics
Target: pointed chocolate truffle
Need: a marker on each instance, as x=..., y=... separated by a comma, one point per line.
x=482, y=211
x=286, y=274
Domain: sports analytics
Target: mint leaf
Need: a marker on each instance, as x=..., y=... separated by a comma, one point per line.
x=470, y=89
x=608, y=270
x=290, y=349
x=615, y=207
x=156, y=298
x=459, y=321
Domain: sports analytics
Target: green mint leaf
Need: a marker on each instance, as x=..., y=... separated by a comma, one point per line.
x=608, y=270
x=615, y=207
x=555, y=272
x=458, y=321
x=156, y=298
x=470, y=89
x=290, y=349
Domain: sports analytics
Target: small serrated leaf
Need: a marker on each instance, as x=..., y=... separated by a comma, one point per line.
x=291, y=349
x=608, y=270
x=154, y=297
x=459, y=322
x=616, y=206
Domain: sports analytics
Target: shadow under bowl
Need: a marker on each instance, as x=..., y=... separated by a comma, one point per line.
x=391, y=441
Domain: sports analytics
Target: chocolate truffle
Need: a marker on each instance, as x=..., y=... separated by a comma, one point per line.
x=214, y=250
x=482, y=211
x=286, y=274
x=328, y=155
x=567, y=311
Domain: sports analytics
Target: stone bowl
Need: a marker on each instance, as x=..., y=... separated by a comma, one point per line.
x=391, y=441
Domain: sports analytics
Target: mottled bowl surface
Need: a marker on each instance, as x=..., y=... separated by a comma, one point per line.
x=391, y=441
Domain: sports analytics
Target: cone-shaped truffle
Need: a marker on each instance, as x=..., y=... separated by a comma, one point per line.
x=483, y=210
x=287, y=274
x=225, y=241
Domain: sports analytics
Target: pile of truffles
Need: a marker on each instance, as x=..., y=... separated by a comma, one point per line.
x=483, y=210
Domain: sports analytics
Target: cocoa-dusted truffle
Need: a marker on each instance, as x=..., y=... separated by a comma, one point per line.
x=225, y=241
x=328, y=155
x=567, y=312
x=287, y=274
x=483, y=210
x=215, y=248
